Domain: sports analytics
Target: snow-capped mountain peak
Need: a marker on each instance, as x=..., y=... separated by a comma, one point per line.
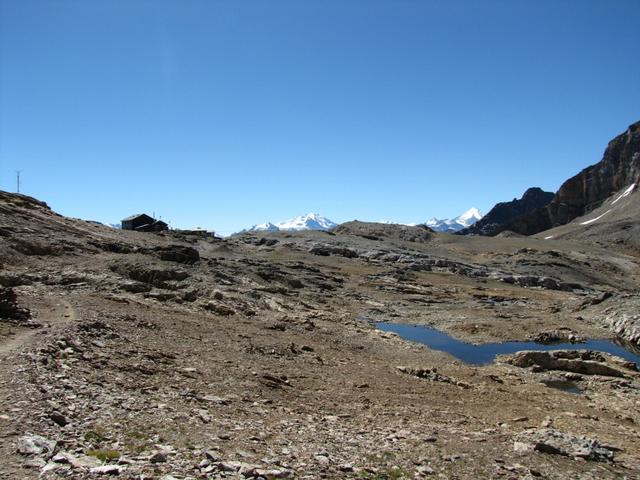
x=310, y=221
x=469, y=217
x=464, y=220
x=264, y=227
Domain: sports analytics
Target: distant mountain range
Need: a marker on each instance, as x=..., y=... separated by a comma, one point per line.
x=313, y=221
x=465, y=220
x=310, y=221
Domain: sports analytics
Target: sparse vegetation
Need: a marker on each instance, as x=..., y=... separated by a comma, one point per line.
x=137, y=441
x=97, y=434
x=104, y=454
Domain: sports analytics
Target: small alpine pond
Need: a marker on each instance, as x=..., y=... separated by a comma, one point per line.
x=486, y=353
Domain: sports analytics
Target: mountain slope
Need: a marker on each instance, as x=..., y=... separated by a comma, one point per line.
x=464, y=220
x=615, y=222
x=586, y=191
x=504, y=214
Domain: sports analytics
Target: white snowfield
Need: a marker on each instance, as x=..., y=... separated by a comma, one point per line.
x=625, y=193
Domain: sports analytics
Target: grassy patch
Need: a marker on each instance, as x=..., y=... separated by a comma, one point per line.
x=136, y=441
x=97, y=434
x=137, y=435
x=104, y=455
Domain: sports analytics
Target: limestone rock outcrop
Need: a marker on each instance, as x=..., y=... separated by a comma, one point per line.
x=618, y=169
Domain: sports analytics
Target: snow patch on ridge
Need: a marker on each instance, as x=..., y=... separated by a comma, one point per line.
x=595, y=219
x=625, y=193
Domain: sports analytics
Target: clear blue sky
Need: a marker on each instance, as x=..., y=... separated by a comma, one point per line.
x=226, y=114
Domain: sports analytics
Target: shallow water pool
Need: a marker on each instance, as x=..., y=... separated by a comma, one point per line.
x=485, y=354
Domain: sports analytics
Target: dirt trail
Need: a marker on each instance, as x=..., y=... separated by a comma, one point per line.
x=59, y=313
x=54, y=313
x=16, y=340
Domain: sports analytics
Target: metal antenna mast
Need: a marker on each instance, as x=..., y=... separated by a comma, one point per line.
x=18, y=180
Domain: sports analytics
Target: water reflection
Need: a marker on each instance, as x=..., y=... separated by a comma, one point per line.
x=486, y=353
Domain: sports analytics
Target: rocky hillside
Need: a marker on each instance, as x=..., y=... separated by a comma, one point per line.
x=613, y=223
x=583, y=193
x=504, y=214
x=385, y=231
x=174, y=355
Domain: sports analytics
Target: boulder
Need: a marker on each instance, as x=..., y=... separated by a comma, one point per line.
x=384, y=231
x=557, y=336
x=625, y=324
x=585, y=362
x=554, y=442
x=327, y=250
x=17, y=279
x=59, y=419
x=153, y=275
x=134, y=286
x=178, y=253
x=432, y=375
x=107, y=470
x=36, y=445
x=34, y=247
x=219, y=309
x=159, y=457
x=9, y=308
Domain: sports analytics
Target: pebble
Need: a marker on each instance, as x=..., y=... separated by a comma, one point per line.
x=425, y=470
x=107, y=470
x=158, y=457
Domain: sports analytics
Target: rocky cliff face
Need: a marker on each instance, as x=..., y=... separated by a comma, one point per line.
x=619, y=168
x=506, y=213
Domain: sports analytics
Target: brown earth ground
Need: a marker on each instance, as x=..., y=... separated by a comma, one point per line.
x=254, y=361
